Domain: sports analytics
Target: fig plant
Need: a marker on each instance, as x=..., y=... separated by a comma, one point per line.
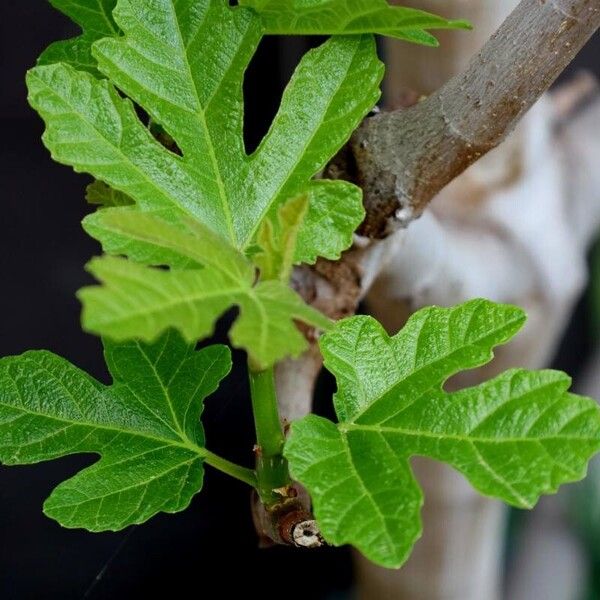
x=148, y=101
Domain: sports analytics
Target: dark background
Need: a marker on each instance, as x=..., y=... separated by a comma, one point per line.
x=42, y=253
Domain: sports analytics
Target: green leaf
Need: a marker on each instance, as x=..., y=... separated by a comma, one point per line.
x=326, y=17
x=100, y=194
x=184, y=63
x=141, y=302
x=149, y=240
x=277, y=240
x=515, y=437
x=145, y=427
x=335, y=210
x=95, y=19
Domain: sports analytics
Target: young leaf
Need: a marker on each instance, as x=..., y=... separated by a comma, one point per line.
x=140, y=302
x=515, y=437
x=334, y=209
x=96, y=21
x=149, y=240
x=145, y=427
x=184, y=63
x=277, y=241
x=327, y=17
x=137, y=301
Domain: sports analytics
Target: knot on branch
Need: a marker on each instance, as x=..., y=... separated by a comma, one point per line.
x=387, y=207
x=289, y=522
x=333, y=287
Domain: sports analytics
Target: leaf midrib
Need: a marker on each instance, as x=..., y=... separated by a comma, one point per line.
x=126, y=235
x=136, y=484
x=200, y=115
x=427, y=22
x=346, y=427
x=367, y=493
x=187, y=299
x=163, y=387
x=84, y=24
x=106, y=17
x=184, y=442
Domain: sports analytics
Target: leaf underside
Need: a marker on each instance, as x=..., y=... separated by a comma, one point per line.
x=514, y=437
x=145, y=427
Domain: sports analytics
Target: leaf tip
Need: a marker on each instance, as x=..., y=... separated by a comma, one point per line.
x=461, y=24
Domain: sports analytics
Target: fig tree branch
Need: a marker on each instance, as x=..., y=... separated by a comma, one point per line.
x=402, y=159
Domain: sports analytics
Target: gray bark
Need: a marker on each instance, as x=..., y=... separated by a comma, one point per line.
x=404, y=158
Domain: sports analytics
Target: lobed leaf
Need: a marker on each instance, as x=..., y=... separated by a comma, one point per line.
x=184, y=63
x=96, y=21
x=335, y=210
x=137, y=301
x=515, y=437
x=145, y=427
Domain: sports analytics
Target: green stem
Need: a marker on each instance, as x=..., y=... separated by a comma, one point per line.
x=271, y=467
x=269, y=433
x=225, y=466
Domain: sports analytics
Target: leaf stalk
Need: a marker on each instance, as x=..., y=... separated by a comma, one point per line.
x=229, y=468
x=271, y=467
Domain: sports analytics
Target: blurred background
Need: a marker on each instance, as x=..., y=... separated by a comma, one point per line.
x=42, y=253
